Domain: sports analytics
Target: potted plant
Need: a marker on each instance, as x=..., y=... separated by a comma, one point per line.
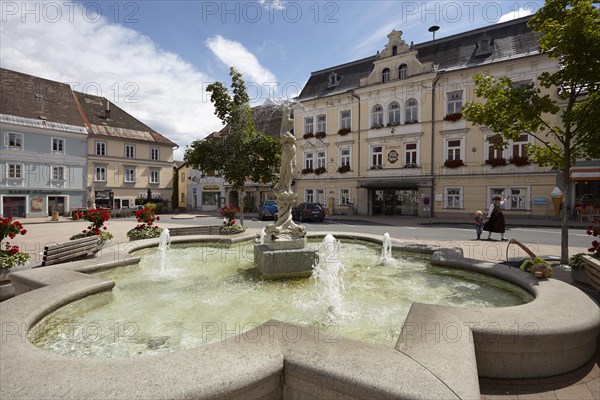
x=453, y=163
x=10, y=254
x=230, y=225
x=591, y=261
x=496, y=162
x=146, y=228
x=96, y=218
x=344, y=168
x=320, y=170
x=453, y=117
x=519, y=161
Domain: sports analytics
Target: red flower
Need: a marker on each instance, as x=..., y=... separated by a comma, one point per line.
x=158, y=218
x=23, y=231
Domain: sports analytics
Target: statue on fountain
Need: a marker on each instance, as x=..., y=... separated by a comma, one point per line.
x=283, y=254
x=284, y=228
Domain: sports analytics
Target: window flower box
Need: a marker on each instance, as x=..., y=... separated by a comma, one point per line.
x=320, y=135
x=453, y=117
x=519, y=161
x=411, y=121
x=320, y=170
x=411, y=165
x=454, y=163
x=344, y=168
x=307, y=171
x=308, y=135
x=496, y=162
x=392, y=124
x=344, y=131
x=377, y=126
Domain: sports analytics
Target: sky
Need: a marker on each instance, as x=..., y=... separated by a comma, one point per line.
x=154, y=59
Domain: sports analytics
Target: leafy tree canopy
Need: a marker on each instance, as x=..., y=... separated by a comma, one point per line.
x=242, y=154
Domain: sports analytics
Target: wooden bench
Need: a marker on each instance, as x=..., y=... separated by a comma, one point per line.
x=67, y=251
x=592, y=269
x=194, y=230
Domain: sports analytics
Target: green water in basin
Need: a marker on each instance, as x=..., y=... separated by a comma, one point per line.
x=195, y=295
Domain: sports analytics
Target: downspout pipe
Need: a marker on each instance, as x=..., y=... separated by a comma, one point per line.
x=433, y=101
x=358, y=158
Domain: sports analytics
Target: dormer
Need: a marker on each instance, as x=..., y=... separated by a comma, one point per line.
x=333, y=80
x=484, y=46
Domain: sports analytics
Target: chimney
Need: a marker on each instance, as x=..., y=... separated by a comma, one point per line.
x=107, y=111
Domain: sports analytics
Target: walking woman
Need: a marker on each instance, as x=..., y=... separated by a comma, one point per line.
x=495, y=221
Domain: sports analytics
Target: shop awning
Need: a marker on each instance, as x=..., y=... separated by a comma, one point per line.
x=588, y=173
x=401, y=184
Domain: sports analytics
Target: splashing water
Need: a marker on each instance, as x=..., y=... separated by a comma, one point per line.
x=263, y=234
x=164, y=242
x=327, y=274
x=386, y=249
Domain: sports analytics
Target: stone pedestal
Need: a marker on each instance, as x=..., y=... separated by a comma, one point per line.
x=284, y=260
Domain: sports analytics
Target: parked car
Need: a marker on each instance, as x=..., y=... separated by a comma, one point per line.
x=268, y=209
x=308, y=212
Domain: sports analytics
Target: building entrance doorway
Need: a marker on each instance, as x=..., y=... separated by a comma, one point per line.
x=56, y=203
x=394, y=202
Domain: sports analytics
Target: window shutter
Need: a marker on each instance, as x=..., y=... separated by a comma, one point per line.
x=6, y=140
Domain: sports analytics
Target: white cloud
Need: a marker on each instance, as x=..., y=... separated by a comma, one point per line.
x=272, y=4
x=154, y=85
x=233, y=53
x=520, y=13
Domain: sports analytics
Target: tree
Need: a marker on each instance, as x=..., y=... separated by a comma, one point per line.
x=243, y=153
x=565, y=129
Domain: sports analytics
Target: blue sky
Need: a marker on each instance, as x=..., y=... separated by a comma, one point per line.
x=155, y=58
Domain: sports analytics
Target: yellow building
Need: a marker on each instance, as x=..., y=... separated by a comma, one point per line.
x=127, y=160
x=384, y=135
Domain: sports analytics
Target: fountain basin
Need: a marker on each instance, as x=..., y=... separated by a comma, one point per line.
x=423, y=365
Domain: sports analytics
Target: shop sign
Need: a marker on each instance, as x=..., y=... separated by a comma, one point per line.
x=211, y=187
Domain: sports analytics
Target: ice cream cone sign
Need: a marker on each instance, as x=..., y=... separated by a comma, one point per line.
x=557, y=199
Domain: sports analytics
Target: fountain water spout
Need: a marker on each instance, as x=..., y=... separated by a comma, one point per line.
x=386, y=249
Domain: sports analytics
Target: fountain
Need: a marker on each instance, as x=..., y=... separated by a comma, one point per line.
x=283, y=253
x=226, y=322
x=327, y=273
x=386, y=249
x=163, y=245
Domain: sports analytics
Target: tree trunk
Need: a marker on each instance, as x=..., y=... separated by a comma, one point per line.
x=564, y=232
x=241, y=203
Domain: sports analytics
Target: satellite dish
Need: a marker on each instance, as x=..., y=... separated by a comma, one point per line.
x=433, y=29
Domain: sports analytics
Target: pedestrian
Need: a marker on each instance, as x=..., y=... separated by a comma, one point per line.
x=495, y=219
x=479, y=224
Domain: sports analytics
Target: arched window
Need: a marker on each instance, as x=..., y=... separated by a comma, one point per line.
x=403, y=71
x=412, y=109
x=394, y=113
x=377, y=116
x=385, y=75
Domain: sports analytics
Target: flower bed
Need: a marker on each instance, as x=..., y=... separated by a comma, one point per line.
x=230, y=225
x=10, y=255
x=146, y=228
x=97, y=218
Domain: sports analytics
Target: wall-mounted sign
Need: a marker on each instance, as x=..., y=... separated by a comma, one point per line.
x=392, y=156
x=37, y=204
x=211, y=187
x=539, y=200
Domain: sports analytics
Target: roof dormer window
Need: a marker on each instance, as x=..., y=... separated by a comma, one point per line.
x=334, y=79
x=485, y=46
x=385, y=75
